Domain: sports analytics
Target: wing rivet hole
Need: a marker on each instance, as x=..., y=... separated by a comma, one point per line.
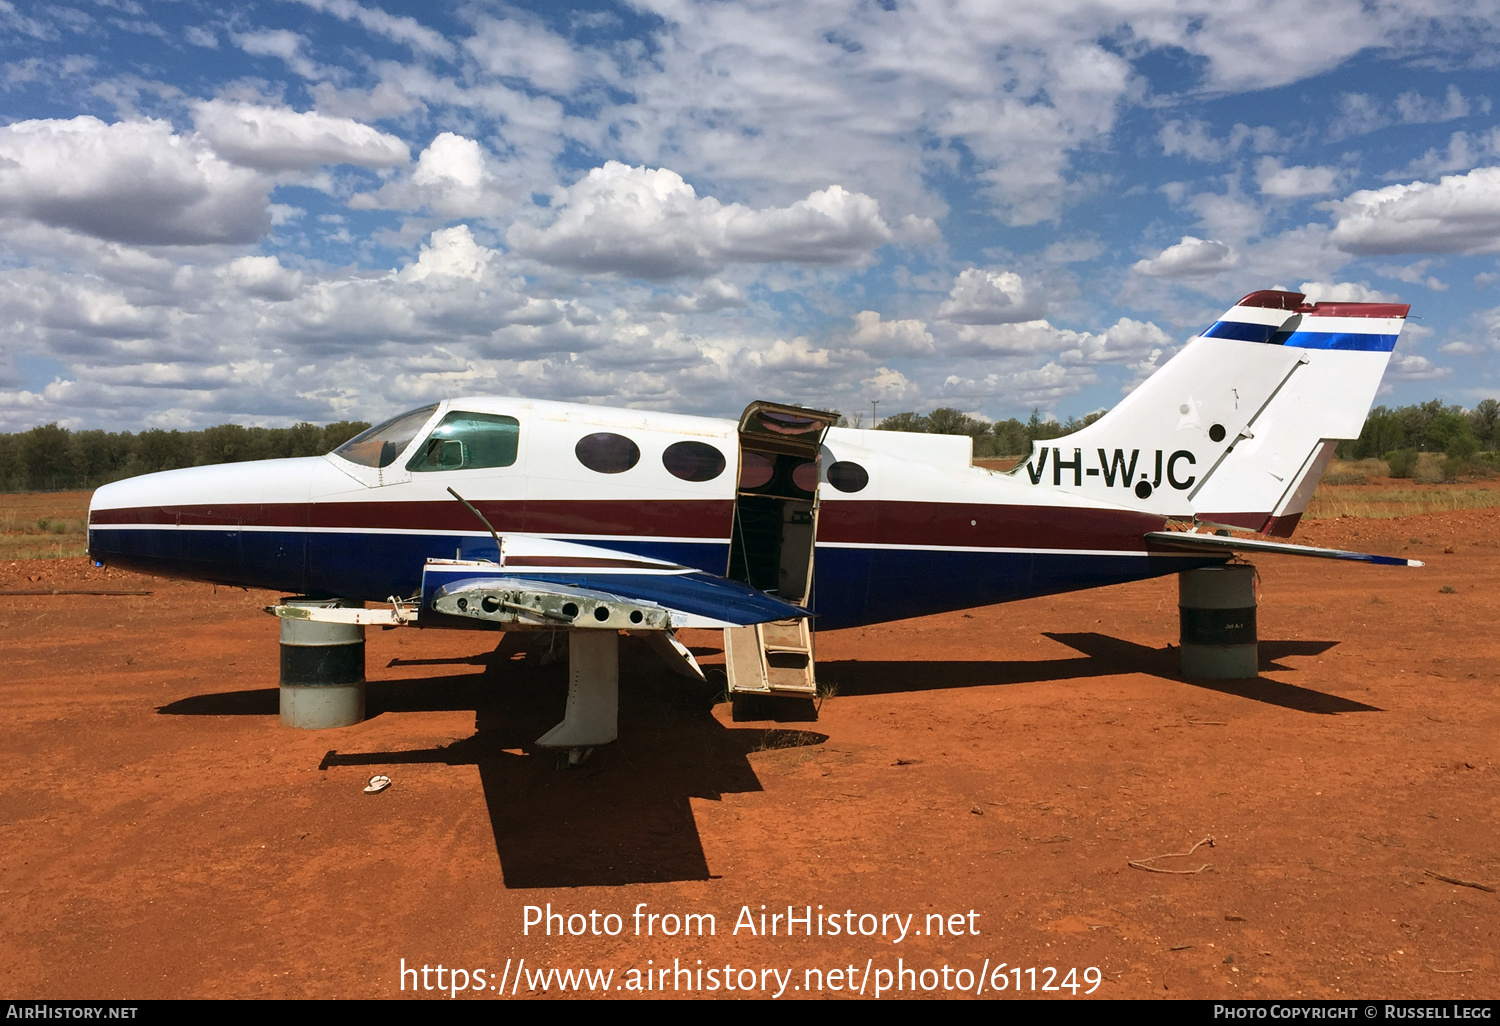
x=1216, y=433
x=463, y=603
x=601, y=613
x=1143, y=490
x=636, y=616
x=570, y=609
x=490, y=603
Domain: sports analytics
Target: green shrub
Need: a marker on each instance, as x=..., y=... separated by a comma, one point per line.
x=1402, y=462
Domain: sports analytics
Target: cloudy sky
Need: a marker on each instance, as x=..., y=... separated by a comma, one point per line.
x=328, y=209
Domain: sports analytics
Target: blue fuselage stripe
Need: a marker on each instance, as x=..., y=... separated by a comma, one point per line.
x=852, y=586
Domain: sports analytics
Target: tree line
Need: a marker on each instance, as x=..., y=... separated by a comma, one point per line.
x=53, y=458
x=1002, y=438
x=1427, y=427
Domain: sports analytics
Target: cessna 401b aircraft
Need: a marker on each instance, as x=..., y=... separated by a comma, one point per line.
x=499, y=513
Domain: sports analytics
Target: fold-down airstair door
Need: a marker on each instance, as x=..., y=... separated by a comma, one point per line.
x=775, y=537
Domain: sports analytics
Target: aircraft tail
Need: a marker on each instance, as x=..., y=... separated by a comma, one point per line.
x=1238, y=427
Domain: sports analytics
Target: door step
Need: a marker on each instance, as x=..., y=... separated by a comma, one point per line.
x=771, y=659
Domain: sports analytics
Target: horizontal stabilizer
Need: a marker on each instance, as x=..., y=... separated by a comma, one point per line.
x=1193, y=542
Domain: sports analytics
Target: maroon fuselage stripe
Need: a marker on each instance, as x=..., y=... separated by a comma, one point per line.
x=672, y=518
x=874, y=522
x=984, y=525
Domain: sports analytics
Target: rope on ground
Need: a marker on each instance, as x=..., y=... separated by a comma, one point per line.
x=1145, y=863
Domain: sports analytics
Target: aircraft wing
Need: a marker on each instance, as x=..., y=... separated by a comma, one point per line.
x=563, y=585
x=1193, y=542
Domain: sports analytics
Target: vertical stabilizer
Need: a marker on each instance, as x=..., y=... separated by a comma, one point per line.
x=1238, y=427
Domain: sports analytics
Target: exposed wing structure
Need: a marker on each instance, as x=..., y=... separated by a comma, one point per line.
x=564, y=585
x=1193, y=542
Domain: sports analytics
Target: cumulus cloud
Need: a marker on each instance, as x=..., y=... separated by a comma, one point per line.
x=875, y=337
x=1411, y=367
x=279, y=139
x=1344, y=292
x=1457, y=214
x=450, y=253
x=890, y=386
x=1126, y=341
x=1460, y=349
x=647, y=223
x=454, y=177
x=990, y=297
x=1192, y=257
x=451, y=161
x=1295, y=182
x=797, y=355
x=136, y=182
x=1018, y=389
x=1025, y=338
x=264, y=276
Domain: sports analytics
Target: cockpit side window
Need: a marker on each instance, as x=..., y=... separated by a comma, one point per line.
x=469, y=441
x=379, y=446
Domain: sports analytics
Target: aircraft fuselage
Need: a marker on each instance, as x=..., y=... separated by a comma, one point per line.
x=893, y=525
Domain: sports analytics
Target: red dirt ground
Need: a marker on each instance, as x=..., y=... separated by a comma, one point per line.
x=161, y=835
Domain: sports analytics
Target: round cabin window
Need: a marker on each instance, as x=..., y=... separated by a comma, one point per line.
x=756, y=470
x=693, y=461
x=607, y=452
x=848, y=477
x=805, y=476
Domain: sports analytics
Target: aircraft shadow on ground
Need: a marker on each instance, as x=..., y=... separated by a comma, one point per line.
x=1102, y=656
x=593, y=825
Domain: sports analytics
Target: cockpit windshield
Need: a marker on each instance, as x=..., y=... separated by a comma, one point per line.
x=379, y=446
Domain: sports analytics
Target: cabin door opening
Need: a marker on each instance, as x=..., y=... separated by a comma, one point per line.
x=775, y=535
x=776, y=501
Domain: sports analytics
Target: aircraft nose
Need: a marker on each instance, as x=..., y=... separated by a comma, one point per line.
x=233, y=523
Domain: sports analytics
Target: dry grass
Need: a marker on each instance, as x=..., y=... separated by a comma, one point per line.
x=1347, y=472
x=44, y=525
x=1389, y=498
x=776, y=739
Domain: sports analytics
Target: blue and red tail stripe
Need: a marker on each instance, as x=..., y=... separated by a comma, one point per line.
x=1283, y=318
